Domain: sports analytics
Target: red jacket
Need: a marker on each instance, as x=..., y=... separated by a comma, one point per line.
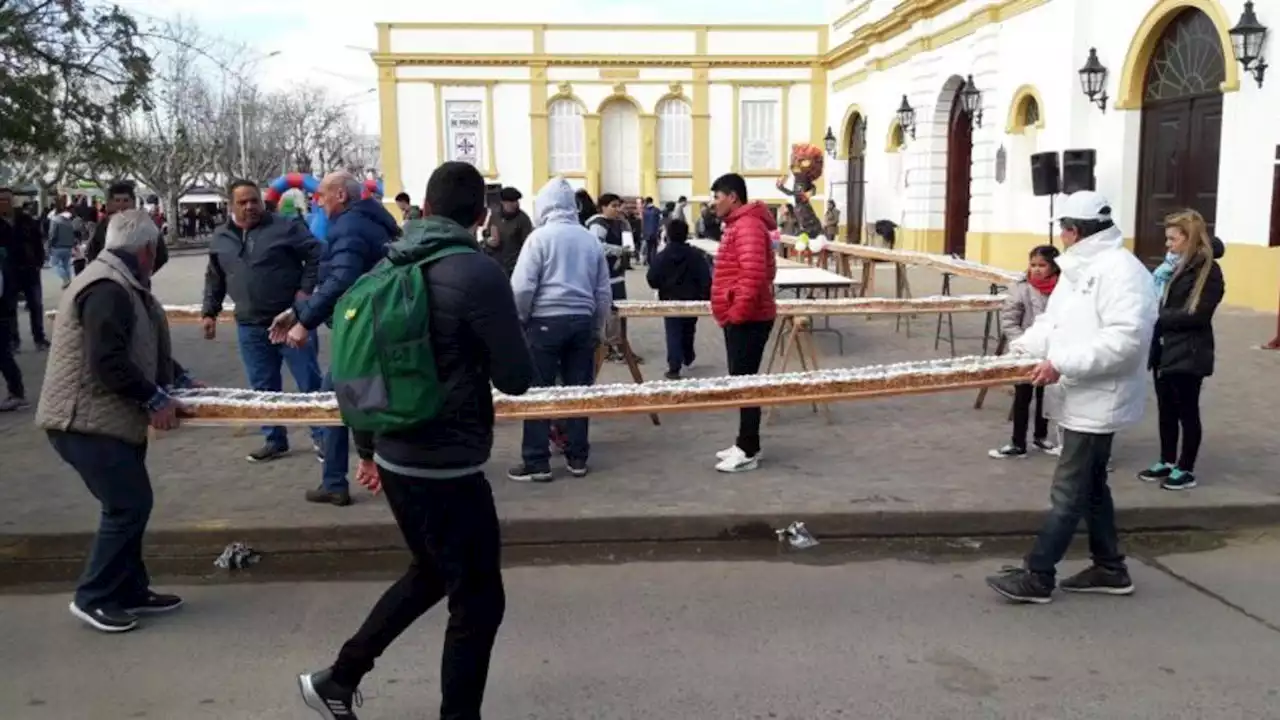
x=742, y=287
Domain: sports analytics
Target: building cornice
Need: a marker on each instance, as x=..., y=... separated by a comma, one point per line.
x=594, y=60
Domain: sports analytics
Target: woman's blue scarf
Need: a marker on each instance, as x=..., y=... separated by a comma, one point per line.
x=1161, y=275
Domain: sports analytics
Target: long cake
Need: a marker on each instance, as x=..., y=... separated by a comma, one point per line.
x=227, y=406
x=824, y=306
x=945, y=263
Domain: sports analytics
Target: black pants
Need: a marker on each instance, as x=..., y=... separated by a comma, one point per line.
x=8, y=339
x=680, y=334
x=116, y=473
x=1178, y=404
x=1079, y=491
x=744, y=345
x=1023, y=393
x=451, y=527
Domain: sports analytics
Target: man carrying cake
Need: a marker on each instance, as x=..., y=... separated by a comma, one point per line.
x=1092, y=340
x=742, y=302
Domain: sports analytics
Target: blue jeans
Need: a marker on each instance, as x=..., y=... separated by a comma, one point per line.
x=680, y=334
x=336, y=445
x=61, y=260
x=565, y=347
x=116, y=473
x=1079, y=491
x=262, y=360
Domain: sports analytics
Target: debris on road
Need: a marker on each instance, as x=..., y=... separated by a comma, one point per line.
x=797, y=536
x=237, y=556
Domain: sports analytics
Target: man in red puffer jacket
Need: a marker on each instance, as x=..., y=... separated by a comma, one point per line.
x=742, y=302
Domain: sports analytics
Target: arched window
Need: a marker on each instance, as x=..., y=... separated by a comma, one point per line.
x=1029, y=112
x=675, y=136
x=897, y=138
x=565, y=150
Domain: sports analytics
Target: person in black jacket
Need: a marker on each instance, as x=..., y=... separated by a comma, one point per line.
x=433, y=474
x=680, y=272
x=26, y=261
x=265, y=262
x=507, y=231
x=1182, y=345
x=120, y=197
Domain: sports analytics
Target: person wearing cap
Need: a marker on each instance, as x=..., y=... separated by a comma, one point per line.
x=1092, y=341
x=507, y=231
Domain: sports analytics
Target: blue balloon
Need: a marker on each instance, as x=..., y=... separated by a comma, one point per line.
x=318, y=223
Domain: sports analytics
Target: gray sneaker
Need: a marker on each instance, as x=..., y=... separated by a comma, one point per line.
x=10, y=404
x=1099, y=580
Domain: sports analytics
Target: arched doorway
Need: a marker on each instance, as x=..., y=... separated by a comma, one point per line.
x=1181, y=129
x=620, y=148
x=856, y=178
x=959, y=162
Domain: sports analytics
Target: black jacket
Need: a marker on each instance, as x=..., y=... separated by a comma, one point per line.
x=263, y=269
x=511, y=232
x=1183, y=341
x=99, y=241
x=680, y=272
x=477, y=341
x=25, y=243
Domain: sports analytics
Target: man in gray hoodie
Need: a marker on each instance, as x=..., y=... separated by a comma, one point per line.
x=563, y=297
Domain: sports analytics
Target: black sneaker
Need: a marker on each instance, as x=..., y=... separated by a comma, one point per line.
x=105, y=619
x=42, y=345
x=320, y=496
x=1022, y=586
x=524, y=473
x=1156, y=473
x=577, y=468
x=1097, y=579
x=1045, y=446
x=671, y=374
x=1179, y=480
x=327, y=697
x=155, y=604
x=267, y=453
x=1008, y=451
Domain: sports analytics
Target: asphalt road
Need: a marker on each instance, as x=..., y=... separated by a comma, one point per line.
x=699, y=640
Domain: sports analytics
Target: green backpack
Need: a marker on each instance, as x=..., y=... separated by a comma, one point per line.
x=381, y=361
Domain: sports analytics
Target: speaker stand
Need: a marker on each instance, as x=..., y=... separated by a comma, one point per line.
x=1051, y=196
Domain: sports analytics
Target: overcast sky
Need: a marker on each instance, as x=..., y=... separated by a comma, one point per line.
x=313, y=35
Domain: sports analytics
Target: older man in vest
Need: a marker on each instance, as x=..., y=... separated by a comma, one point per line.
x=105, y=384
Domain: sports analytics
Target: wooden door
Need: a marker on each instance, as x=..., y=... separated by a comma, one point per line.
x=959, y=161
x=856, y=185
x=620, y=149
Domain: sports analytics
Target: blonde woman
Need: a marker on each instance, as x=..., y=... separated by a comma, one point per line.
x=1191, y=286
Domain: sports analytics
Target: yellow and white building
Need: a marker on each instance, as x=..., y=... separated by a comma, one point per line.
x=662, y=110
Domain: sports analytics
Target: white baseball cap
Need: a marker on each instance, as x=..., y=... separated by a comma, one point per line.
x=1084, y=205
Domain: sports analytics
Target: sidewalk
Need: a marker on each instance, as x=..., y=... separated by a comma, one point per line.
x=909, y=466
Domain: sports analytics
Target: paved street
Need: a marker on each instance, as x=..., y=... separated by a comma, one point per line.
x=913, y=455
x=875, y=640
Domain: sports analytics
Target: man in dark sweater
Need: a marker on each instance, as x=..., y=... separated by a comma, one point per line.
x=120, y=197
x=680, y=272
x=265, y=262
x=432, y=473
x=110, y=367
x=507, y=231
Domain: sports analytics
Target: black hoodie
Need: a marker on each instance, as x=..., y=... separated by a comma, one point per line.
x=680, y=272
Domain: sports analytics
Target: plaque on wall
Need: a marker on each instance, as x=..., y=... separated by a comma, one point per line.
x=1001, y=161
x=462, y=121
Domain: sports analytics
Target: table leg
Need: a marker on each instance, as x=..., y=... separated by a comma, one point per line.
x=792, y=346
x=779, y=339
x=1001, y=345
x=805, y=341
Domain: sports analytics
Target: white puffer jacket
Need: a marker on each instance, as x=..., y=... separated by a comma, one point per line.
x=1096, y=331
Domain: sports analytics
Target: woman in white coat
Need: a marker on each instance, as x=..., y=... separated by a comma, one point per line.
x=1092, y=342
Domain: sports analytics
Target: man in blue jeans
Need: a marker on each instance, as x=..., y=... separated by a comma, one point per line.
x=265, y=262
x=563, y=297
x=356, y=238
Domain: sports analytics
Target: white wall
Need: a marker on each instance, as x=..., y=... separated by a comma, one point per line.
x=619, y=42
x=512, y=136
x=417, y=136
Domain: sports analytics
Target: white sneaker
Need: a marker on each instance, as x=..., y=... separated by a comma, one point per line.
x=737, y=461
x=729, y=452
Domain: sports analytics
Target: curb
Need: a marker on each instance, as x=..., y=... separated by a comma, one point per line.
x=334, y=540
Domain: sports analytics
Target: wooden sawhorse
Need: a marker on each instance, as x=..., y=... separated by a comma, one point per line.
x=633, y=364
x=794, y=338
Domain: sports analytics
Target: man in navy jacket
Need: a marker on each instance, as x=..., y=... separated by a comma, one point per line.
x=356, y=240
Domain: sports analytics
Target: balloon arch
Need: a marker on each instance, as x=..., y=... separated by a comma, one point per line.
x=309, y=184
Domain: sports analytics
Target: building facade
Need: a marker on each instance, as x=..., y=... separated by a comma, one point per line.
x=654, y=110
x=661, y=110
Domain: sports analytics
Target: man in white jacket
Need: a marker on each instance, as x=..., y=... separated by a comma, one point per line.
x=1092, y=341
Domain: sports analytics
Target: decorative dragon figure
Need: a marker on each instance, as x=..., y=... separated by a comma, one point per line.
x=806, y=168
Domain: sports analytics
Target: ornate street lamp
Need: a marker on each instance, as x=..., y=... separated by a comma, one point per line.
x=1093, y=80
x=971, y=99
x=907, y=118
x=830, y=142
x=1247, y=38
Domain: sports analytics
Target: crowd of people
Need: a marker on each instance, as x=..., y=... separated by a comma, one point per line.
x=532, y=314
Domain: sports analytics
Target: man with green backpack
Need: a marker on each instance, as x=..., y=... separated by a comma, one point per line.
x=417, y=343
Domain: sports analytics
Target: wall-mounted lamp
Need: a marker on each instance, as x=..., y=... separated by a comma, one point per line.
x=1247, y=38
x=971, y=99
x=907, y=118
x=1093, y=80
x=829, y=142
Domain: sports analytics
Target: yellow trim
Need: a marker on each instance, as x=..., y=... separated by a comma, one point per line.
x=784, y=88
x=592, y=60
x=564, y=91
x=539, y=41
x=818, y=122
x=491, y=151
x=675, y=175
x=701, y=128
x=1133, y=75
x=852, y=15
x=389, y=122
x=648, y=155
x=898, y=21
x=619, y=93
x=892, y=143
x=675, y=92
x=615, y=74
x=700, y=41
x=591, y=126
x=539, y=132
x=921, y=240
x=1020, y=97
x=607, y=27
x=846, y=127
x=436, y=80
x=438, y=100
